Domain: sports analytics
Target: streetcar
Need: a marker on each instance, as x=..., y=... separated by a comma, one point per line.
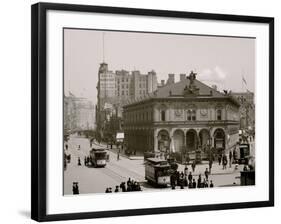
x=243, y=154
x=98, y=157
x=158, y=172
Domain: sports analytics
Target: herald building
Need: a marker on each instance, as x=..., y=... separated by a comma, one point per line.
x=187, y=115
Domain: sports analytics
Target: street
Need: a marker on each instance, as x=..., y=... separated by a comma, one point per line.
x=96, y=180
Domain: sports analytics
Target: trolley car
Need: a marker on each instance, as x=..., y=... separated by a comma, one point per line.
x=157, y=172
x=242, y=156
x=98, y=157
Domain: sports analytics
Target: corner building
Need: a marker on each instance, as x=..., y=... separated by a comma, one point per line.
x=182, y=117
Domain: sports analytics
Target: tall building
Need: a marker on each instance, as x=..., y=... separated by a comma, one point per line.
x=246, y=110
x=79, y=113
x=182, y=117
x=115, y=89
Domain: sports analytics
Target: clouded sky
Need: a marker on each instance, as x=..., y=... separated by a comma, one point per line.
x=217, y=60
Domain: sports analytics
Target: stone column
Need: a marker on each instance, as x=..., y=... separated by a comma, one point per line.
x=155, y=140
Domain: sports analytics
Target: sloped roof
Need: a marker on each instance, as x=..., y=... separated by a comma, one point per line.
x=177, y=89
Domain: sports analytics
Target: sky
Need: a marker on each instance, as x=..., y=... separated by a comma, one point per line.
x=222, y=61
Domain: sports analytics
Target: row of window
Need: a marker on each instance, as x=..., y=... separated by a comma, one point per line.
x=126, y=93
x=140, y=116
x=191, y=115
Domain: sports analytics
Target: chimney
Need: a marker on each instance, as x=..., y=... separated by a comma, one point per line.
x=182, y=77
x=215, y=87
x=171, y=79
x=162, y=82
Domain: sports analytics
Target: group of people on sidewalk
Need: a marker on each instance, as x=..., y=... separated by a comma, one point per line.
x=130, y=186
x=183, y=179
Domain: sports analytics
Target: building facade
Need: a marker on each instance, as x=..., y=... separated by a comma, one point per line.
x=246, y=110
x=79, y=113
x=182, y=117
x=115, y=89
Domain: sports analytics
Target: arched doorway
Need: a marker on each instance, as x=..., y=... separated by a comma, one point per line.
x=204, y=138
x=219, y=140
x=191, y=140
x=163, y=141
x=178, y=139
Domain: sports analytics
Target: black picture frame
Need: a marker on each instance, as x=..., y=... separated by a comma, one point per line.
x=39, y=110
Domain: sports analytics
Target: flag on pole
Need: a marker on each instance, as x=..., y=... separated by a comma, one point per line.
x=244, y=80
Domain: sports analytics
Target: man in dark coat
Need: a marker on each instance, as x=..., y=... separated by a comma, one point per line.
x=230, y=158
x=219, y=159
x=224, y=162
x=199, y=180
x=193, y=183
x=75, y=188
x=210, y=165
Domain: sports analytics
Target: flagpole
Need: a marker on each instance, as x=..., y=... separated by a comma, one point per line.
x=242, y=83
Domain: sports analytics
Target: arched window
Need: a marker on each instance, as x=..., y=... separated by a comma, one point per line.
x=219, y=113
x=163, y=115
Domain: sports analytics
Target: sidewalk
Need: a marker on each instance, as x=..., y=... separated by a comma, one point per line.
x=216, y=169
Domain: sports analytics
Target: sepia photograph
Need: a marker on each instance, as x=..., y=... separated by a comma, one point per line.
x=146, y=111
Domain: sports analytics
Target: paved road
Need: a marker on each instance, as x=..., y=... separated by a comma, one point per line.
x=96, y=180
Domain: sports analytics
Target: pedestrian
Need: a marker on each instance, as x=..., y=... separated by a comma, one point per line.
x=190, y=184
x=66, y=146
x=206, y=173
x=230, y=158
x=203, y=183
x=199, y=180
x=79, y=147
x=129, y=182
x=173, y=180
x=193, y=183
x=182, y=186
x=79, y=161
x=206, y=184
x=245, y=168
x=211, y=183
x=178, y=177
x=185, y=171
x=182, y=175
x=75, y=188
x=210, y=165
x=193, y=165
x=118, y=155
x=224, y=162
x=219, y=159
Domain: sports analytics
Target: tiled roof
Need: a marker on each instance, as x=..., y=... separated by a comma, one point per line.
x=177, y=89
